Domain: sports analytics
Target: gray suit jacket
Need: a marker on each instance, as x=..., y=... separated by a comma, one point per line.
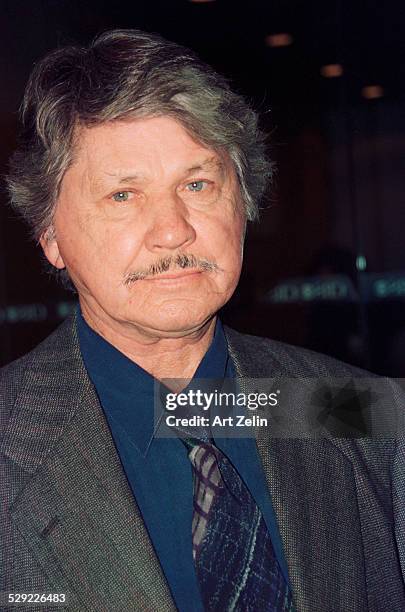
x=70, y=523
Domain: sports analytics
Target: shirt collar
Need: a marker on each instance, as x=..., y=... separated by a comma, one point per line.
x=126, y=390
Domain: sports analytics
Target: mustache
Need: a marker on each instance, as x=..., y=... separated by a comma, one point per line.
x=172, y=263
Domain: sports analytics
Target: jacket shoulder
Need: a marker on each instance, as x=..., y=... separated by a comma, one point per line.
x=11, y=377
x=262, y=354
x=47, y=355
x=55, y=343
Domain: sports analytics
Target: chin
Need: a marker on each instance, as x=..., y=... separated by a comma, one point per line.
x=176, y=325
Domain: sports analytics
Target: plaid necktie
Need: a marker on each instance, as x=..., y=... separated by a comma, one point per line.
x=234, y=557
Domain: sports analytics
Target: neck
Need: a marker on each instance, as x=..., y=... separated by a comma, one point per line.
x=163, y=357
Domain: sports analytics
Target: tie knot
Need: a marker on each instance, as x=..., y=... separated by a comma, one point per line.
x=204, y=459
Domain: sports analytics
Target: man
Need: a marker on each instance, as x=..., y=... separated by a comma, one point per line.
x=137, y=171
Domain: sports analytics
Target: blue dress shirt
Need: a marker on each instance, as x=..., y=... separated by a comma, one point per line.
x=158, y=469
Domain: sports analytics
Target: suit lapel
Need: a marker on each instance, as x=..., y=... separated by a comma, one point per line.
x=321, y=534
x=77, y=512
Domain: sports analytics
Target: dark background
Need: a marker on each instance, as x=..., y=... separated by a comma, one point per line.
x=325, y=268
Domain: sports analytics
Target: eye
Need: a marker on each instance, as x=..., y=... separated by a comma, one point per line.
x=121, y=196
x=196, y=186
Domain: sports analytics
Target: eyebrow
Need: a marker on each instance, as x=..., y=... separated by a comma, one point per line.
x=206, y=164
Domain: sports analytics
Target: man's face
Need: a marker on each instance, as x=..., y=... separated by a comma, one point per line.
x=150, y=225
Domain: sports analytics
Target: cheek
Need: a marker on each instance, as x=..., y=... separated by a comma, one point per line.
x=99, y=247
x=227, y=243
x=225, y=247
x=122, y=245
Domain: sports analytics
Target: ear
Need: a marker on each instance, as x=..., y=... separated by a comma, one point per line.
x=50, y=247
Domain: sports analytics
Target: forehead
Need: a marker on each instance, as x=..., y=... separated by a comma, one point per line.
x=161, y=143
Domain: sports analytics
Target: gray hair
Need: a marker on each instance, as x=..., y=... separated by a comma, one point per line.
x=126, y=74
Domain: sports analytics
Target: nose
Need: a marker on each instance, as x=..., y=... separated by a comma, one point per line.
x=170, y=227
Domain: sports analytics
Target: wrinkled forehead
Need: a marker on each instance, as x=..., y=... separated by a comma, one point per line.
x=132, y=146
